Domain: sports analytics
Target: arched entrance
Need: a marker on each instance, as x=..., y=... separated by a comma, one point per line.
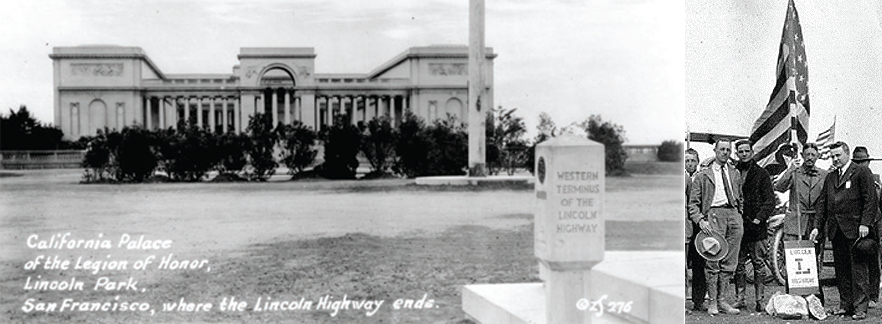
x=97, y=117
x=278, y=83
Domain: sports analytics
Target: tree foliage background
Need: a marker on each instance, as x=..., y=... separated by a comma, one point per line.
x=612, y=136
x=670, y=151
x=22, y=131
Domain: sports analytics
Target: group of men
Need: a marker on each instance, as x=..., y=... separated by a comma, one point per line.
x=728, y=204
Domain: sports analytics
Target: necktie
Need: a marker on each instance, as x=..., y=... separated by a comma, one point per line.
x=727, y=186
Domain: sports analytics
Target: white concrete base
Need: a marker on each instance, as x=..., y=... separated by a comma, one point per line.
x=650, y=280
x=467, y=181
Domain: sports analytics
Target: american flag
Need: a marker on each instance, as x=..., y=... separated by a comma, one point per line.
x=772, y=129
x=825, y=139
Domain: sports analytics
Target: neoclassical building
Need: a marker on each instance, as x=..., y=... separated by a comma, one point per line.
x=114, y=86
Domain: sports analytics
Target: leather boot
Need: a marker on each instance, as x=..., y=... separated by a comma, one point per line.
x=740, y=288
x=759, y=289
x=723, y=292
x=712, y=285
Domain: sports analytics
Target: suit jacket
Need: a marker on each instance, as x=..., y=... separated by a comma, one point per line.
x=808, y=189
x=847, y=202
x=759, y=200
x=702, y=195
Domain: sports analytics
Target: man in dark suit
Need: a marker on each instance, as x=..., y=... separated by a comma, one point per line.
x=759, y=202
x=847, y=209
x=861, y=156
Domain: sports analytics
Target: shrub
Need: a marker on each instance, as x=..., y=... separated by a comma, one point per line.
x=98, y=161
x=612, y=136
x=262, y=140
x=670, y=151
x=188, y=153
x=342, y=142
x=297, y=142
x=546, y=130
x=412, y=147
x=448, y=148
x=22, y=131
x=379, y=143
x=230, y=153
x=506, y=147
x=492, y=144
x=135, y=155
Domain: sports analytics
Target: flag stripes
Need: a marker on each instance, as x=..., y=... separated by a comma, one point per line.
x=789, y=96
x=825, y=139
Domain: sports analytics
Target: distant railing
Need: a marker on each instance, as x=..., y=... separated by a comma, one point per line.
x=41, y=159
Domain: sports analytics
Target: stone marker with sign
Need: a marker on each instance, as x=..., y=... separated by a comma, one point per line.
x=802, y=270
x=569, y=223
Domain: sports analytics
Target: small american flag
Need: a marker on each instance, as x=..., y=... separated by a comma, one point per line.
x=825, y=139
x=772, y=129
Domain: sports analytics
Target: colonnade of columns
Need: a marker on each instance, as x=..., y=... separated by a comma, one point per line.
x=226, y=114
x=360, y=108
x=217, y=113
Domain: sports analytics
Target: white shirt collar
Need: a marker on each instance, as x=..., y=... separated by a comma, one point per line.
x=846, y=166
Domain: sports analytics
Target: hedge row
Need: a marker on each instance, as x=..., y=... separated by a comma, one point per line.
x=189, y=153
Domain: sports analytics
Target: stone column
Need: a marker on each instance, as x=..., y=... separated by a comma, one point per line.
x=394, y=100
x=328, y=112
x=212, y=117
x=162, y=112
x=354, y=109
x=275, y=107
x=149, y=111
x=237, y=116
x=186, y=101
x=295, y=109
x=287, y=107
x=226, y=118
x=199, y=112
x=569, y=231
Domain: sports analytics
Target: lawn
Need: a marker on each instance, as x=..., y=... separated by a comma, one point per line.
x=381, y=240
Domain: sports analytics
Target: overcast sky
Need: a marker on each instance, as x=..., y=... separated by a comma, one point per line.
x=731, y=52
x=620, y=59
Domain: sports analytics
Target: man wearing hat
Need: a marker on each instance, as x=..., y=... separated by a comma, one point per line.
x=759, y=203
x=861, y=156
x=847, y=211
x=715, y=205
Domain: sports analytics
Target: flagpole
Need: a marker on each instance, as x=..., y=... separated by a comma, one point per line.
x=794, y=140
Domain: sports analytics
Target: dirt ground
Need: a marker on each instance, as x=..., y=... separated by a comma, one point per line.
x=380, y=240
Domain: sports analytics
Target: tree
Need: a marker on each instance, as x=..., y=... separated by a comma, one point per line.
x=506, y=148
x=412, y=147
x=297, y=147
x=547, y=129
x=263, y=139
x=670, y=151
x=342, y=142
x=379, y=143
x=22, y=131
x=612, y=136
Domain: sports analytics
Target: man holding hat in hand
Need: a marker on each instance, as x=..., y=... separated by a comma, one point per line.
x=847, y=211
x=715, y=205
